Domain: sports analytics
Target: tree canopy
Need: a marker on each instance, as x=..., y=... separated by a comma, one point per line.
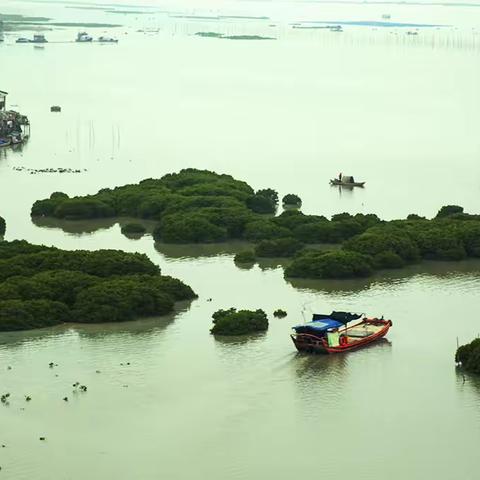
x=42, y=286
x=469, y=356
x=241, y=322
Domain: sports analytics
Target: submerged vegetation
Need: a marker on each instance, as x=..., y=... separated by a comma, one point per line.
x=241, y=322
x=469, y=356
x=42, y=286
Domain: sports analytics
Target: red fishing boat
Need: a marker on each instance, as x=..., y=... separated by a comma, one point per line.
x=332, y=334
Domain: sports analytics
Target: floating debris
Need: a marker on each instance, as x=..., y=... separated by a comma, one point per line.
x=65, y=399
x=55, y=108
x=42, y=439
x=27, y=398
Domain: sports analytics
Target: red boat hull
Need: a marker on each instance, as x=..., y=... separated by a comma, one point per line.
x=313, y=344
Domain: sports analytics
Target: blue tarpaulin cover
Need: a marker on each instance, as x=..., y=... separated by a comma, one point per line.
x=318, y=326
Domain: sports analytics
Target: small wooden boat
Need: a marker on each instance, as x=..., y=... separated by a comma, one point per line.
x=330, y=333
x=346, y=181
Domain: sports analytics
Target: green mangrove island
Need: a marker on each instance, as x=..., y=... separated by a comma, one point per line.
x=44, y=286
x=200, y=206
x=241, y=322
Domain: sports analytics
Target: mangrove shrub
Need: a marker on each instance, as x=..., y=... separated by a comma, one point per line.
x=469, y=356
x=133, y=229
x=292, y=199
x=245, y=257
x=281, y=247
x=43, y=286
x=329, y=264
x=233, y=322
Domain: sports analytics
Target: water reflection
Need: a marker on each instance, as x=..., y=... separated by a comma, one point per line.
x=75, y=226
x=171, y=250
x=230, y=340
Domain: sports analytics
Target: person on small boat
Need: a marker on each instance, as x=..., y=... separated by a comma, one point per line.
x=340, y=177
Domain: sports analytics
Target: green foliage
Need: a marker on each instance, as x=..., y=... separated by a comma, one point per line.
x=118, y=300
x=378, y=241
x=440, y=243
x=449, y=210
x=469, y=356
x=41, y=286
x=291, y=199
x=269, y=193
x=189, y=228
x=388, y=259
x=20, y=247
x=102, y=263
x=233, y=322
x=292, y=219
x=245, y=257
x=281, y=247
x=3, y=226
x=61, y=285
x=261, y=204
x=280, y=313
x=24, y=315
x=264, y=229
x=329, y=264
x=133, y=228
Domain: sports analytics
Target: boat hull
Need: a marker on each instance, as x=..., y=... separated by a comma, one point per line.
x=346, y=184
x=313, y=344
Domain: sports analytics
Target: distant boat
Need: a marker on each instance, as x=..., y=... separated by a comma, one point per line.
x=39, y=38
x=22, y=40
x=107, y=40
x=346, y=181
x=84, y=37
x=330, y=333
x=386, y=16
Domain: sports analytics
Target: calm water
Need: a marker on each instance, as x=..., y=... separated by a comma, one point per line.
x=397, y=111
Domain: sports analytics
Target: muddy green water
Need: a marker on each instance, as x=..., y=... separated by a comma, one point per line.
x=399, y=112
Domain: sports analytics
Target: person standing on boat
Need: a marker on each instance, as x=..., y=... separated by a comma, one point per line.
x=340, y=177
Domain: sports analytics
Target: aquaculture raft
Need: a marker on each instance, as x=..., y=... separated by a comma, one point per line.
x=330, y=333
